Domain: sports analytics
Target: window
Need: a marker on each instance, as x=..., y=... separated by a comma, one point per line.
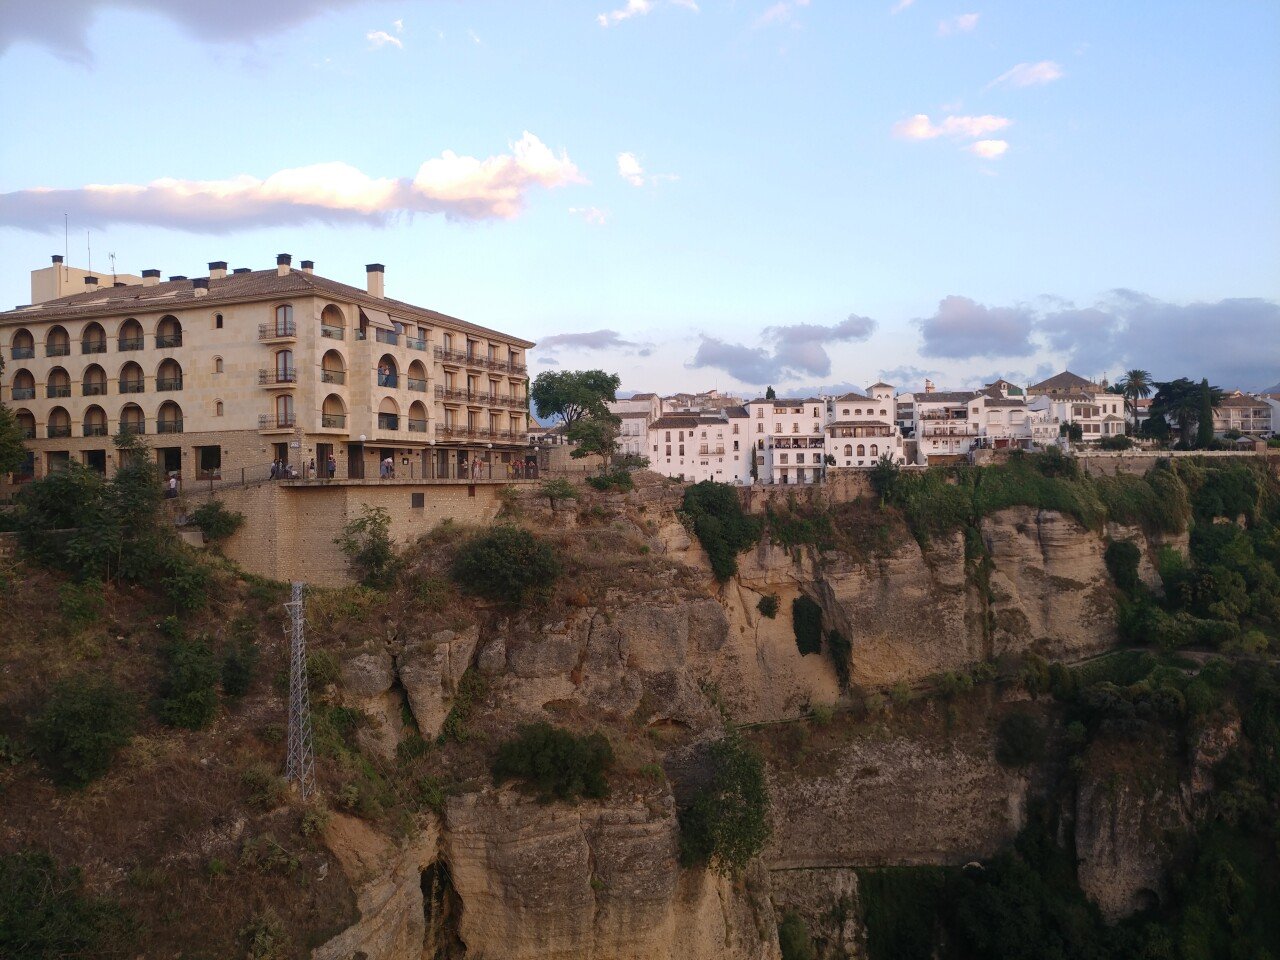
x=217, y=321
x=217, y=408
x=795, y=428
x=209, y=462
x=875, y=451
x=217, y=364
x=848, y=450
x=862, y=450
x=845, y=411
x=759, y=428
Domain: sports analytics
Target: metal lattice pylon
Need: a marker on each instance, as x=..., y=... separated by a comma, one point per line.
x=300, y=767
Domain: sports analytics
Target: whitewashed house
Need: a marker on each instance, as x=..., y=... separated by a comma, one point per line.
x=701, y=446
x=1073, y=399
x=788, y=439
x=862, y=428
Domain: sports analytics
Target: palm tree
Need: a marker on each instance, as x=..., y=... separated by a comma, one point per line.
x=1134, y=385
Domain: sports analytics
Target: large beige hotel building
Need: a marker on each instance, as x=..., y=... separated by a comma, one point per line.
x=224, y=374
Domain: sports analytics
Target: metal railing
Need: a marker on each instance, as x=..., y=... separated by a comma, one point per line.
x=279, y=330
x=24, y=393
x=270, y=377
x=332, y=332
x=95, y=429
x=169, y=426
x=95, y=389
x=132, y=343
x=333, y=421
x=333, y=376
x=473, y=359
x=272, y=421
x=388, y=421
x=93, y=346
x=133, y=386
x=23, y=353
x=419, y=385
x=59, y=430
x=386, y=336
x=168, y=383
x=164, y=340
x=417, y=426
x=57, y=350
x=54, y=390
x=448, y=432
x=134, y=426
x=415, y=344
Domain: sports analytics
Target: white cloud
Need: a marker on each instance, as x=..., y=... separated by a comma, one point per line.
x=781, y=12
x=461, y=188
x=901, y=5
x=630, y=170
x=380, y=38
x=1028, y=75
x=962, y=23
x=989, y=149
x=920, y=127
x=592, y=215
x=475, y=38
x=399, y=25
x=639, y=8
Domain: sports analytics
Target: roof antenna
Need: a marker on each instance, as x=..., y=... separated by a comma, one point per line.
x=89, y=248
x=112, y=257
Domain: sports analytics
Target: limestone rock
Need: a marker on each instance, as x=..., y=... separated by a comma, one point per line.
x=367, y=679
x=492, y=661
x=826, y=899
x=430, y=672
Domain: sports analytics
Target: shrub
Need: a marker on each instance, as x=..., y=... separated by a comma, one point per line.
x=83, y=724
x=237, y=668
x=555, y=762
x=720, y=525
x=619, y=480
x=806, y=621
x=323, y=669
x=80, y=604
x=768, y=605
x=727, y=822
x=265, y=937
x=631, y=461
x=953, y=683
x=187, y=697
x=1122, y=559
x=884, y=476
x=185, y=580
x=793, y=938
x=506, y=563
x=822, y=713
x=366, y=541
x=215, y=521
x=1117, y=442
x=557, y=488
x=1019, y=740
x=44, y=912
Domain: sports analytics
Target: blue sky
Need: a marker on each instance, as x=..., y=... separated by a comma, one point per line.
x=723, y=193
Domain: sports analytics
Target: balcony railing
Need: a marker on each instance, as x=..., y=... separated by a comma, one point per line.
x=388, y=380
x=95, y=429
x=451, y=356
x=59, y=430
x=964, y=418
x=333, y=421
x=28, y=433
x=959, y=430
x=419, y=385
x=169, y=426
x=168, y=383
x=332, y=332
x=133, y=426
x=23, y=353
x=280, y=330
x=274, y=421
x=450, y=432
x=57, y=390
x=388, y=421
x=333, y=376
x=57, y=350
x=417, y=426
x=95, y=389
x=132, y=343
x=93, y=346
x=166, y=340
x=386, y=336
x=24, y=393
x=132, y=386
x=269, y=378
x=413, y=344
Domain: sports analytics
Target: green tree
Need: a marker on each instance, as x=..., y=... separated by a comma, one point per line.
x=769, y=394
x=506, y=563
x=572, y=394
x=595, y=434
x=1204, y=419
x=85, y=721
x=557, y=764
x=720, y=524
x=45, y=913
x=1135, y=385
x=12, y=449
x=188, y=697
x=366, y=540
x=728, y=821
x=1182, y=401
x=884, y=476
x=557, y=488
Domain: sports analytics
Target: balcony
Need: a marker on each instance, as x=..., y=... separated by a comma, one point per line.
x=333, y=421
x=132, y=386
x=133, y=426
x=389, y=380
x=413, y=344
x=333, y=376
x=168, y=383
x=386, y=336
x=933, y=431
x=57, y=350
x=417, y=426
x=333, y=333
x=95, y=429
x=169, y=426
x=419, y=386
x=131, y=343
x=23, y=353
x=95, y=389
x=388, y=421
x=281, y=330
x=58, y=430
x=445, y=431
x=93, y=346
x=24, y=393
x=455, y=357
x=277, y=378
x=56, y=390
x=963, y=418
x=28, y=433
x=166, y=340
x=272, y=421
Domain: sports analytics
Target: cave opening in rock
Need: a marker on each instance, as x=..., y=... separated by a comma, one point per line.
x=441, y=909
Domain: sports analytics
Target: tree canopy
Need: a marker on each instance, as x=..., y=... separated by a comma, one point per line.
x=572, y=394
x=595, y=434
x=1184, y=402
x=12, y=449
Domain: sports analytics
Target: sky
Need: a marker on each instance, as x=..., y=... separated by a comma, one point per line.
x=809, y=194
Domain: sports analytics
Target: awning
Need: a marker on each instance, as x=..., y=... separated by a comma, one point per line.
x=376, y=318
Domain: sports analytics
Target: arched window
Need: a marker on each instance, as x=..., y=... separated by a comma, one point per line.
x=59, y=423
x=884, y=413
x=284, y=410
x=844, y=412
x=169, y=375
x=23, y=345
x=168, y=333
x=862, y=450
x=59, y=384
x=848, y=449
x=26, y=423
x=24, y=385
x=57, y=343
x=93, y=339
x=417, y=417
x=332, y=323
x=169, y=418
x=333, y=369
x=217, y=408
x=875, y=450
x=417, y=379
x=94, y=383
x=388, y=372
x=132, y=379
x=130, y=335
x=388, y=415
x=284, y=320
x=333, y=414
x=95, y=421
x=131, y=418
x=217, y=364
x=217, y=321
x=285, y=372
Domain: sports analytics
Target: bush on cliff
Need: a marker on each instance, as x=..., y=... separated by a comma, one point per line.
x=1019, y=740
x=1122, y=558
x=366, y=541
x=506, y=563
x=188, y=697
x=84, y=723
x=215, y=521
x=556, y=763
x=727, y=822
x=720, y=524
x=806, y=621
x=45, y=913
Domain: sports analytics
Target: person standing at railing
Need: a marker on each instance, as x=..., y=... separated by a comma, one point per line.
x=332, y=466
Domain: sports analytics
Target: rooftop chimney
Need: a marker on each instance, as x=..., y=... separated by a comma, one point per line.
x=200, y=286
x=282, y=264
x=217, y=269
x=57, y=258
x=308, y=266
x=177, y=276
x=242, y=270
x=90, y=281
x=150, y=278
x=373, y=278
